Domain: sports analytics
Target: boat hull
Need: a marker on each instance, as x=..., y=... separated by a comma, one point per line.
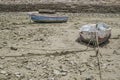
x=45, y=19
x=100, y=40
x=88, y=33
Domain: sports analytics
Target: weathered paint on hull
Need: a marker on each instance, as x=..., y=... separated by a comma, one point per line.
x=44, y=19
x=100, y=40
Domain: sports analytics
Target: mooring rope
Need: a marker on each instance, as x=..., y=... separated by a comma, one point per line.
x=97, y=55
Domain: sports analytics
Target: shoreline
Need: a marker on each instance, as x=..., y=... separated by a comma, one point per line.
x=61, y=7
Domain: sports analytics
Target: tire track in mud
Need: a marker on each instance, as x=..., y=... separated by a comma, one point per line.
x=56, y=52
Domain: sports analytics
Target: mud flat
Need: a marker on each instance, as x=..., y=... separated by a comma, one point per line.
x=62, y=7
x=31, y=51
x=98, y=6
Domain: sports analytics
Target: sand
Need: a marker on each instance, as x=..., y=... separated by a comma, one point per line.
x=33, y=51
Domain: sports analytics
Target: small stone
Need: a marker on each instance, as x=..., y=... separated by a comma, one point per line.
x=1, y=47
x=44, y=67
x=109, y=60
x=49, y=43
x=1, y=67
x=4, y=43
x=51, y=56
x=104, y=66
x=115, y=52
x=13, y=64
x=3, y=72
x=72, y=62
x=82, y=69
x=13, y=48
x=42, y=39
x=51, y=78
x=63, y=73
x=60, y=67
x=75, y=78
x=2, y=57
x=57, y=72
x=6, y=74
x=26, y=43
x=19, y=75
x=38, y=63
x=25, y=61
x=28, y=67
x=91, y=65
x=88, y=79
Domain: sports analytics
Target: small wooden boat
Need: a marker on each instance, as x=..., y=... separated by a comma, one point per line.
x=47, y=19
x=88, y=33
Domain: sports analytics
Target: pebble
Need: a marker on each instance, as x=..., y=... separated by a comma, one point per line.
x=13, y=64
x=1, y=67
x=51, y=78
x=115, y=52
x=104, y=66
x=57, y=72
x=1, y=47
x=13, y=48
x=4, y=43
x=109, y=60
x=82, y=69
x=42, y=39
x=38, y=63
x=19, y=75
x=28, y=67
x=3, y=72
x=72, y=62
x=48, y=43
x=26, y=43
x=62, y=73
x=44, y=67
x=51, y=56
x=90, y=78
x=2, y=57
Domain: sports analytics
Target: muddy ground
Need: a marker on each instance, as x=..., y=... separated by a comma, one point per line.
x=62, y=7
x=97, y=6
x=60, y=1
x=50, y=51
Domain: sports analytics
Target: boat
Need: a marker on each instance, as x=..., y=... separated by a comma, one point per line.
x=47, y=19
x=92, y=32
